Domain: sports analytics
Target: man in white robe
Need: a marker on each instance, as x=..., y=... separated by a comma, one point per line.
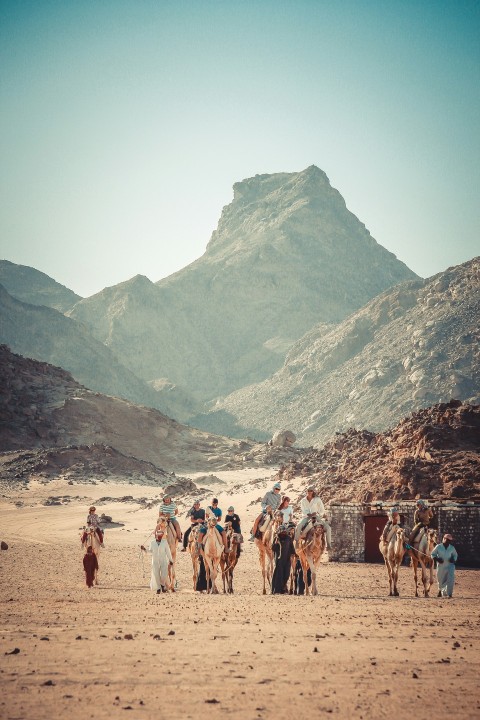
x=446, y=557
x=161, y=560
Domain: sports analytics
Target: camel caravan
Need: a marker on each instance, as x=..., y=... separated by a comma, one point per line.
x=289, y=554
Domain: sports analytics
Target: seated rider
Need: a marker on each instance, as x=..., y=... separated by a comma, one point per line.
x=286, y=509
x=215, y=510
x=271, y=500
x=203, y=530
x=234, y=519
x=93, y=521
x=393, y=522
x=197, y=517
x=169, y=508
x=422, y=518
x=313, y=510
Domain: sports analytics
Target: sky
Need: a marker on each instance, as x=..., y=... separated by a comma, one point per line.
x=125, y=123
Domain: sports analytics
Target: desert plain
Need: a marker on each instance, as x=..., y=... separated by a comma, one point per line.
x=119, y=650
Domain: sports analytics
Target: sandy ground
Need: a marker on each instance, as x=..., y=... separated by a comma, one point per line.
x=350, y=652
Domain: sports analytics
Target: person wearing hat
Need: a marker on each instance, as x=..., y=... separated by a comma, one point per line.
x=393, y=522
x=197, y=517
x=313, y=510
x=446, y=557
x=234, y=519
x=422, y=517
x=271, y=500
x=169, y=509
x=93, y=521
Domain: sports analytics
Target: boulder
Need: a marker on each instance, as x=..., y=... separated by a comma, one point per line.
x=283, y=438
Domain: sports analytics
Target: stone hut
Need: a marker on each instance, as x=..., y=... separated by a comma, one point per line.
x=356, y=528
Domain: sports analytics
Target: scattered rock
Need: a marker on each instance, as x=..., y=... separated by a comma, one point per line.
x=15, y=651
x=3, y=545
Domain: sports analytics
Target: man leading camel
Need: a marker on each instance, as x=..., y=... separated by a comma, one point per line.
x=312, y=507
x=271, y=500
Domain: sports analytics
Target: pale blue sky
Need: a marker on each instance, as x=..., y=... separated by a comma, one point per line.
x=125, y=123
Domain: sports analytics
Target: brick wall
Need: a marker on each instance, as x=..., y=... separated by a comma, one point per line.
x=348, y=530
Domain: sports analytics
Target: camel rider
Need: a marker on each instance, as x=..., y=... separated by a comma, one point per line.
x=393, y=522
x=312, y=509
x=93, y=521
x=234, y=519
x=197, y=517
x=271, y=500
x=203, y=530
x=215, y=510
x=169, y=509
x=422, y=517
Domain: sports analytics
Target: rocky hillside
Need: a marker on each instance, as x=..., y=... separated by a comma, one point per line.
x=45, y=334
x=34, y=287
x=412, y=346
x=433, y=454
x=286, y=255
x=42, y=406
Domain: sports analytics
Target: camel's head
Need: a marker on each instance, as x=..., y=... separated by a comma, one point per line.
x=161, y=523
x=212, y=521
x=432, y=536
x=318, y=530
x=400, y=534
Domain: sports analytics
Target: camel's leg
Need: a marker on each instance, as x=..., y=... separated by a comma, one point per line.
x=395, y=579
x=224, y=571
x=304, y=564
x=261, y=549
x=389, y=573
x=424, y=579
x=415, y=576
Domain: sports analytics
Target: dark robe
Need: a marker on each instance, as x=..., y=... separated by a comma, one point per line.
x=299, y=582
x=90, y=564
x=283, y=549
x=202, y=577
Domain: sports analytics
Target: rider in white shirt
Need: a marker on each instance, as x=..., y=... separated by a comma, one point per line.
x=311, y=505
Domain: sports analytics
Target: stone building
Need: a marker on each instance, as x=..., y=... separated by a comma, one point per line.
x=356, y=529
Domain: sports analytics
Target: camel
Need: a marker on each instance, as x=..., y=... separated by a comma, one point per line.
x=310, y=550
x=421, y=555
x=194, y=551
x=212, y=552
x=393, y=551
x=171, y=536
x=91, y=540
x=229, y=559
x=264, y=544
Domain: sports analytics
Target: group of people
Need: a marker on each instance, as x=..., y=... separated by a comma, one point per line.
x=444, y=553
x=312, y=512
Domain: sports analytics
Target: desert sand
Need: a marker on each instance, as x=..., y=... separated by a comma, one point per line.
x=119, y=650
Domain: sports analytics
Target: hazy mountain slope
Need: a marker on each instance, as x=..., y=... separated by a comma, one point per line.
x=412, y=346
x=45, y=334
x=42, y=406
x=286, y=254
x=34, y=287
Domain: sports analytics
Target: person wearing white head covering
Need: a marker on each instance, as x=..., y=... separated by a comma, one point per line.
x=161, y=559
x=446, y=557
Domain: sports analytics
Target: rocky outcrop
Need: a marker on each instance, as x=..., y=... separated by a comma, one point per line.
x=34, y=287
x=432, y=454
x=98, y=463
x=413, y=345
x=43, y=407
x=286, y=255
